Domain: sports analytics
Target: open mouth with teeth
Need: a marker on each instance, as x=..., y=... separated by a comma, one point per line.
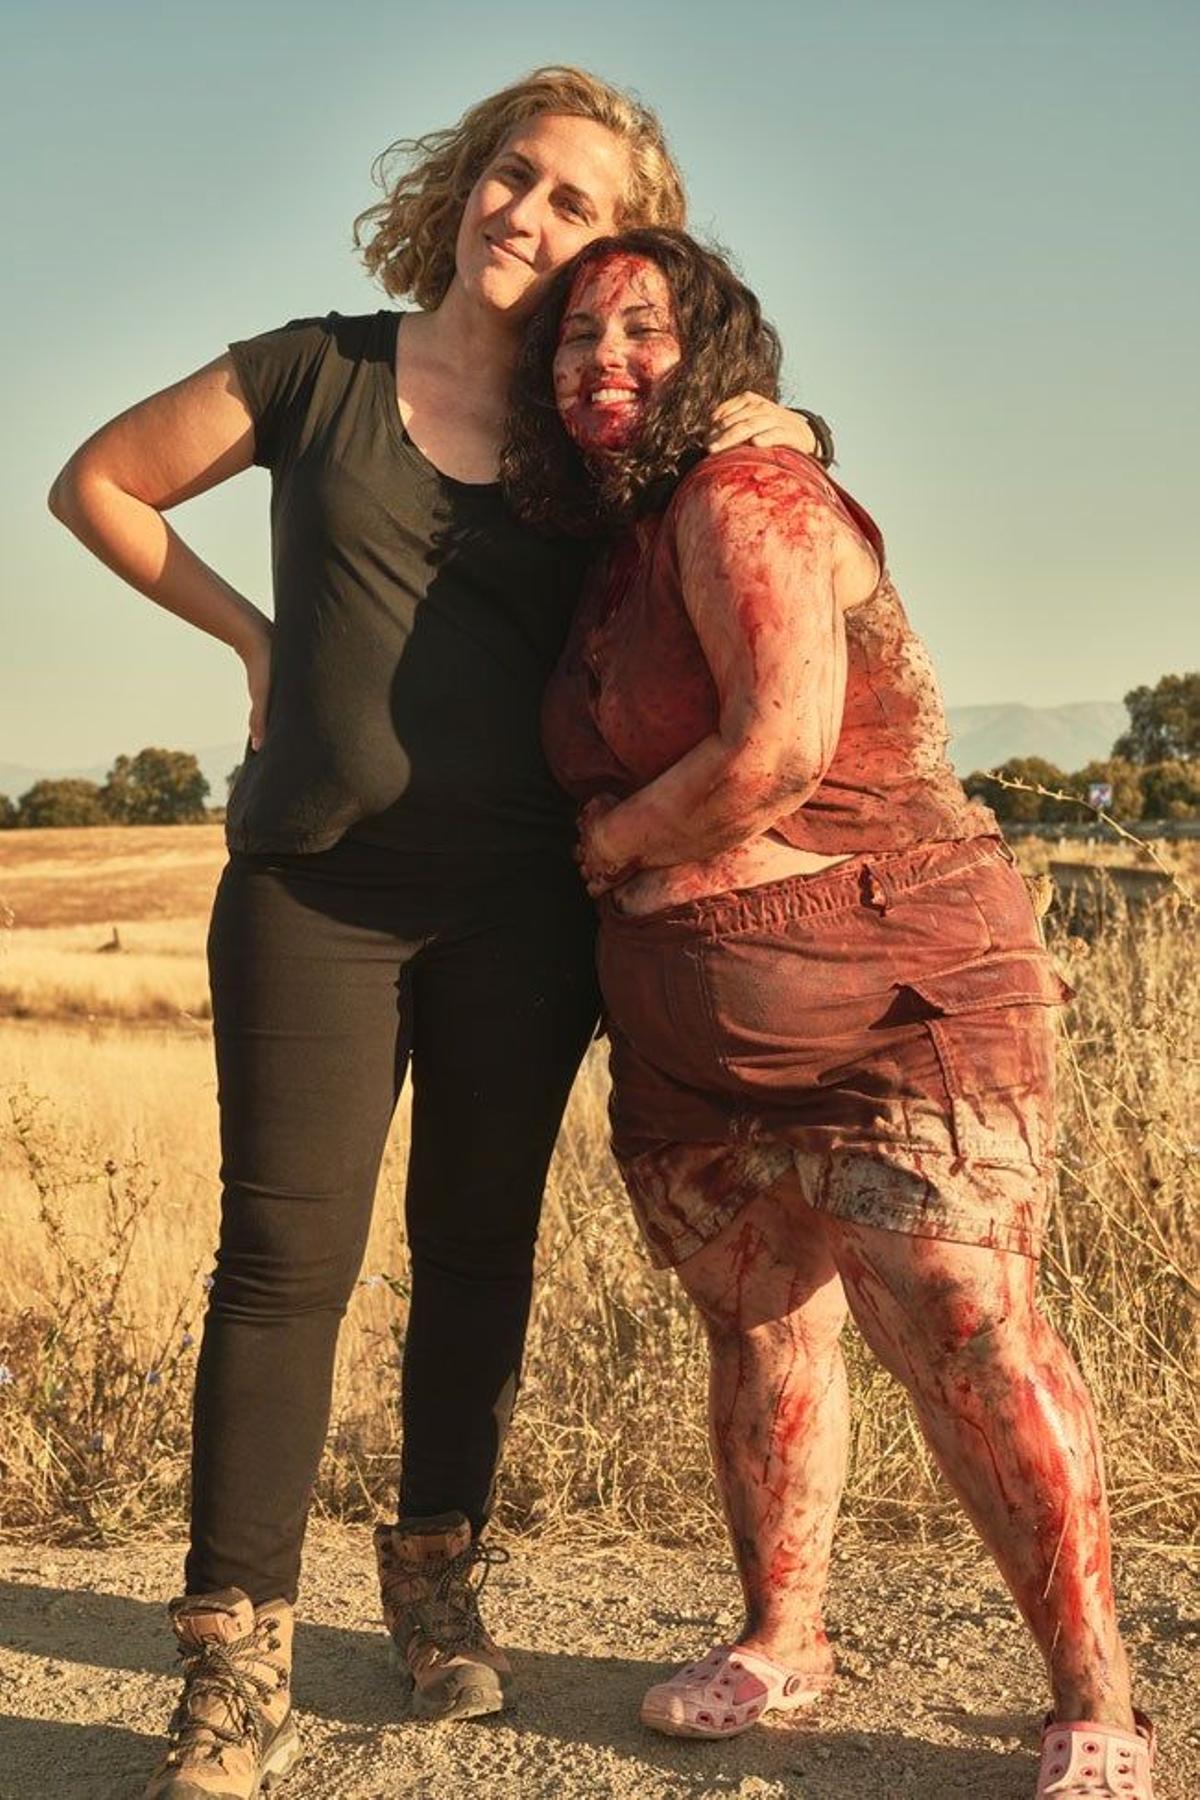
x=606, y=416
x=613, y=396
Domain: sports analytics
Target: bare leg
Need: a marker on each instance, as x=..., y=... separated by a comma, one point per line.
x=773, y=1307
x=1007, y=1416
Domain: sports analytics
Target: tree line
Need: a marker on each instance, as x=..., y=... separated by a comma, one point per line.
x=1153, y=772
x=155, y=787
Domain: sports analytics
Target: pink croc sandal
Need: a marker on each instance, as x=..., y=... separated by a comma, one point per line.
x=727, y=1692
x=1085, y=1761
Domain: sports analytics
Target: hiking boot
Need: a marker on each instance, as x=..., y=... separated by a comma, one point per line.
x=232, y=1735
x=431, y=1609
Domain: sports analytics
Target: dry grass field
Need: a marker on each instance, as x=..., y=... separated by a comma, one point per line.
x=108, y=1201
x=108, y=873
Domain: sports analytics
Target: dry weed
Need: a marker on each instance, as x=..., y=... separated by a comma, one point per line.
x=108, y=1164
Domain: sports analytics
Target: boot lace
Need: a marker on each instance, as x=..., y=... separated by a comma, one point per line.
x=448, y=1613
x=220, y=1672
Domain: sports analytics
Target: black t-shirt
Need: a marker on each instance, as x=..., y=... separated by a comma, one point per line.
x=416, y=622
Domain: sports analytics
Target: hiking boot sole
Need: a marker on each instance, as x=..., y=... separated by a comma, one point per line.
x=466, y=1692
x=278, y=1764
x=459, y=1697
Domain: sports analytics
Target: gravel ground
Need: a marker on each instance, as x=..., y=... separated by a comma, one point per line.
x=939, y=1691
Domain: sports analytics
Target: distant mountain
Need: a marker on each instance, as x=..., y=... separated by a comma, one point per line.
x=17, y=778
x=1068, y=736
x=980, y=737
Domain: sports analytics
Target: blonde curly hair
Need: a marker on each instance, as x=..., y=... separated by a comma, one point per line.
x=407, y=240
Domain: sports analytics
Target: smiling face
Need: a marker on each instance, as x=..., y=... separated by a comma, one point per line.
x=617, y=341
x=554, y=185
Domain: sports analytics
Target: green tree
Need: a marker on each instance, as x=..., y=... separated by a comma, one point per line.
x=8, y=813
x=1116, y=772
x=1018, y=805
x=156, y=787
x=69, y=801
x=1164, y=721
x=1171, y=790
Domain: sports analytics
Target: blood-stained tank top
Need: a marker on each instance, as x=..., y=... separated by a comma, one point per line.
x=632, y=693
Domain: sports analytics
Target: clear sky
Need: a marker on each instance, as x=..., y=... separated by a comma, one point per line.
x=976, y=226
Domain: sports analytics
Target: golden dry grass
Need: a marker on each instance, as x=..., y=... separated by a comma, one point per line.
x=106, y=874
x=62, y=895
x=108, y=1187
x=157, y=975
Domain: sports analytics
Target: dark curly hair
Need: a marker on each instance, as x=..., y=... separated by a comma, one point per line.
x=727, y=347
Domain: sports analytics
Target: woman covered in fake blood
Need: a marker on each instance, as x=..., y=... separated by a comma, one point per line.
x=831, y=1015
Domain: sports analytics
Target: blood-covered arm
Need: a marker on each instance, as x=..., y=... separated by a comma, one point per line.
x=756, y=552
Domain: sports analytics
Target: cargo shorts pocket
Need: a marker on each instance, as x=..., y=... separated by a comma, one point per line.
x=992, y=1025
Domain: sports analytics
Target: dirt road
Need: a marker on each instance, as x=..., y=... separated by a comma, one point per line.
x=938, y=1696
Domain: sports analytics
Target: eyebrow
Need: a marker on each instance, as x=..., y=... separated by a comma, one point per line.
x=638, y=306
x=566, y=187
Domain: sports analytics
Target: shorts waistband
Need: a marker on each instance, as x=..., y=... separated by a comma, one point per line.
x=871, y=878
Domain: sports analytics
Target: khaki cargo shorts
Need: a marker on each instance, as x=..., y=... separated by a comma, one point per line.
x=884, y=1029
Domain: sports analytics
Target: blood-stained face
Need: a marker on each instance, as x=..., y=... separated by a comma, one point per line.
x=617, y=341
x=554, y=185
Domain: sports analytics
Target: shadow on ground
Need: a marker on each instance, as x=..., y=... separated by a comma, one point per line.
x=106, y=1762
x=350, y=1697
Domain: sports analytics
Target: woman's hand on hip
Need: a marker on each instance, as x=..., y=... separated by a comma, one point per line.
x=752, y=419
x=256, y=656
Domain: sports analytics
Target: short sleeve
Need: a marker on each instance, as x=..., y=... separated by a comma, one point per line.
x=277, y=373
x=735, y=471
x=730, y=468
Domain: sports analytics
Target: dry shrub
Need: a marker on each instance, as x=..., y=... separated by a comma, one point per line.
x=1122, y=1269
x=112, y=1216
x=93, y=1391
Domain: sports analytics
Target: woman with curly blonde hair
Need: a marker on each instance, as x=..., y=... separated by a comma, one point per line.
x=410, y=236
x=399, y=887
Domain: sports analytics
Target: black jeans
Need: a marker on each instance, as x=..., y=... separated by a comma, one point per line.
x=330, y=974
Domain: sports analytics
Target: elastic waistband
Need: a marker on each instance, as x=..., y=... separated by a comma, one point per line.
x=874, y=879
